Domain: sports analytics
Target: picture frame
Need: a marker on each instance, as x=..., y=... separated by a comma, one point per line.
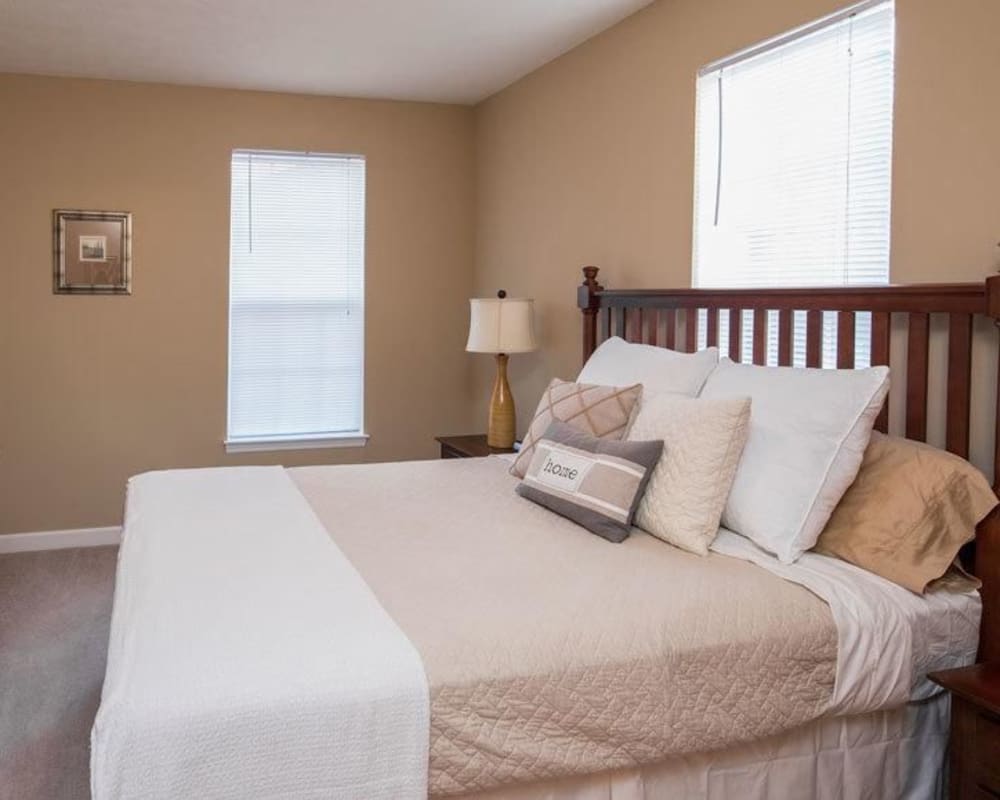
x=92, y=252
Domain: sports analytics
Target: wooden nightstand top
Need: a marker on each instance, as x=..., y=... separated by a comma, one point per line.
x=470, y=446
x=978, y=684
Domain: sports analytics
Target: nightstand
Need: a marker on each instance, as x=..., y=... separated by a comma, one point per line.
x=473, y=446
x=975, y=730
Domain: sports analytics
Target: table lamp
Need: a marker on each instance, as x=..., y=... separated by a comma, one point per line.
x=501, y=325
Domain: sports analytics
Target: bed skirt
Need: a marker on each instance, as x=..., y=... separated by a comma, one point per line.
x=899, y=753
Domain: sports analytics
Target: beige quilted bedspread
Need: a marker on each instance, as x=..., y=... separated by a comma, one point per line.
x=551, y=652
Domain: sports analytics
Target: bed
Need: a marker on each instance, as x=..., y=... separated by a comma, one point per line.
x=457, y=641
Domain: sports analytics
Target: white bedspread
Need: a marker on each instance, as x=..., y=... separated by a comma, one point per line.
x=888, y=638
x=217, y=682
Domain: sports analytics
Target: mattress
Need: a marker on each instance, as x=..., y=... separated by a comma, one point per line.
x=550, y=652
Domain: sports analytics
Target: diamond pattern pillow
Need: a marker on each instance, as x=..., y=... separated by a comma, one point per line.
x=601, y=411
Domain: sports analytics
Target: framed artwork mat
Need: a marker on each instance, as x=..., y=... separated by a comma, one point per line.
x=92, y=252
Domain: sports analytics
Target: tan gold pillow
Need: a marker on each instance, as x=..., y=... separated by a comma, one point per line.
x=908, y=512
x=601, y=411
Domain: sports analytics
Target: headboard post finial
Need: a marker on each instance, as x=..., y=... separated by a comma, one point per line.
x=590, y=304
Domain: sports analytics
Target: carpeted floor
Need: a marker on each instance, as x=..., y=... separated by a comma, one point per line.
x=55, y=608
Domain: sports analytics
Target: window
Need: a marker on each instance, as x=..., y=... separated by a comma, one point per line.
x=793, y=166
x=296, y=301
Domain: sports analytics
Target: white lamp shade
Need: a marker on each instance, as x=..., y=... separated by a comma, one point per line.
x=501, y=325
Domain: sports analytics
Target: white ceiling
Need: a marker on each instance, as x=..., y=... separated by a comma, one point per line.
x=456, y=51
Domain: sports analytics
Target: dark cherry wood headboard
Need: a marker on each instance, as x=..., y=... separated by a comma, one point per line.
x=670, y=318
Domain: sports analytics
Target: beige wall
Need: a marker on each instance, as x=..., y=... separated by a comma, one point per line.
x=589, y=160
x=94, y=389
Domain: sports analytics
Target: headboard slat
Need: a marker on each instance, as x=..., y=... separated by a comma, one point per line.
x=918, y=338
x=814, y=338
x=736, y=334
x=959, y=383
x=670, y=324
x=881, y=321
x=845, y=339
x=760, y=336
x=647, y=325
x=633, y=324
x=712, y=329
x=785, y=326
x=881, y=328
x=691, y=330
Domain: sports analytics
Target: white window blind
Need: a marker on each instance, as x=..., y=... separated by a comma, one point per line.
x=793, y=165
x=296, y=299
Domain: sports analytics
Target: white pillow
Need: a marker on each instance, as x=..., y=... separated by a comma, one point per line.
x=808, y=432
x=620, y=363
x=702, y=443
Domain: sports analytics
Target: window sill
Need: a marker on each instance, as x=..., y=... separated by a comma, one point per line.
x=264, y=444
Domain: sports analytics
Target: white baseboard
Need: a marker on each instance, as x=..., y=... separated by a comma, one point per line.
x=56, y=540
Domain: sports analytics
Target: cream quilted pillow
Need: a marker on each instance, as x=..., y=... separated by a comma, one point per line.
x=702, y=444
x=601, y=411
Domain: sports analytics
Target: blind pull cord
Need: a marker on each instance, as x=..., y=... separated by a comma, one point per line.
x=847, y=167
x=350, y=220
x=718, y=160
x=250, y=202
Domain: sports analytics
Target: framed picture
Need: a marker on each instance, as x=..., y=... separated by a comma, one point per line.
x=92, y=252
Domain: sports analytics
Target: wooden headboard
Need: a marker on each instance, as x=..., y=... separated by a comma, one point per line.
x=670, y=318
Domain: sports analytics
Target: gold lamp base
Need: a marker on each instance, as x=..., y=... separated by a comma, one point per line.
x=502, y=427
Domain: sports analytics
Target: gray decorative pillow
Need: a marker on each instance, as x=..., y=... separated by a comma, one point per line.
x=595, y=482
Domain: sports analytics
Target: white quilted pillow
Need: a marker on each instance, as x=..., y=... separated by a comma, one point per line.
x=808, y=433
x=702, y=443
x=620, y=363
